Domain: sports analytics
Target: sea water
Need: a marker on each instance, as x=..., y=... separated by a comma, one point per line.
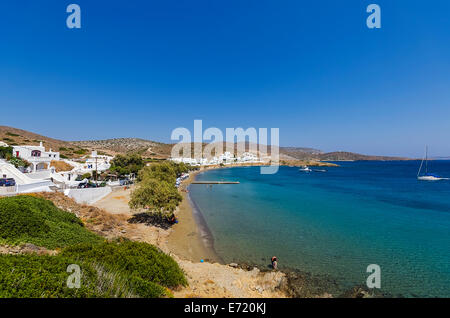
x=337, y=222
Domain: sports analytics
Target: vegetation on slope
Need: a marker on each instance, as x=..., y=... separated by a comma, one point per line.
x=108, y=269
x=144, y=262
x=29, y=219
x=46, y=276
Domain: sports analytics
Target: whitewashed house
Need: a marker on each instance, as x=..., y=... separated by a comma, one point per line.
x=97, y=162
x=36, y=155
x=249, y=157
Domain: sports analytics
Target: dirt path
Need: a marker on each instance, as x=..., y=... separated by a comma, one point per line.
x=116, y=202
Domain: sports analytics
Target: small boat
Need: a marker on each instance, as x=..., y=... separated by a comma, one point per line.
x=305, y=169
x=319, y=170
x=427, y=176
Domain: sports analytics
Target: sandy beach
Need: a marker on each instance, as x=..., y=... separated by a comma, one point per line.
x=187, y=238
x=185, y=242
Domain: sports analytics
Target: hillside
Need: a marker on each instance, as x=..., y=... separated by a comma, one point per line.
x=146, y=148
x=333, y=156
x=342, y=156
x=158, y=150
x=14, y=136
x=115, y=268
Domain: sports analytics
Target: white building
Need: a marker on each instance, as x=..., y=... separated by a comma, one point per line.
x=97, y=162
x=226, y=158
x=249, y=157
x=36, y=155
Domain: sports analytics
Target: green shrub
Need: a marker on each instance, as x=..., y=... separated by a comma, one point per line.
x=18, y=162
x=86, y=175
x=80, y=151
x=46, y=276
x=6, y=152
x=140, y=260
x=28, y=219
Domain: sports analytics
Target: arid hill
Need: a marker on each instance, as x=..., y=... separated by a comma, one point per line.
x=158, y=150
x=146, y=148
x=335, y=156
x=14, y=136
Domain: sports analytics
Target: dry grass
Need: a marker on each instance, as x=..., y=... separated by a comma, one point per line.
x=95, y=219
x=61, y=166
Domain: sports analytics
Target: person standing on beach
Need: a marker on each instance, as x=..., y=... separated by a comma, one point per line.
x=274, y=262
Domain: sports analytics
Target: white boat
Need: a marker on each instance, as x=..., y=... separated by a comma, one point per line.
x=305, y=169
x=427, y=176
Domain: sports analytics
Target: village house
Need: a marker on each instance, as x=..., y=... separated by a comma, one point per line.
x=36, y=155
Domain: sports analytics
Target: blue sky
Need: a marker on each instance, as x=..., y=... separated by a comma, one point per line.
x=311, y=68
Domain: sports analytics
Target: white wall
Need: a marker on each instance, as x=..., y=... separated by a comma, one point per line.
x=89, y=195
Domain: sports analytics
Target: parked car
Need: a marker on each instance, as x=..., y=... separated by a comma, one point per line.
x=90, y=185
x=125, y=182
x=83, y=185
x=7, y=182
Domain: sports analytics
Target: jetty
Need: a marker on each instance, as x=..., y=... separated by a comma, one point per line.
x=215, y=182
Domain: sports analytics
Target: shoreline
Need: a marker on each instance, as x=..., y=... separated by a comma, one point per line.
x=191, y=238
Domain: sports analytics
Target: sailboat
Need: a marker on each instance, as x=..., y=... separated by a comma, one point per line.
x=427, y=176
x=305, y=169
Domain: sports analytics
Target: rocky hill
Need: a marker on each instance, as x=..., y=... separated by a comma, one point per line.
x=157, y=150
x=13, y=136
x=146, y=148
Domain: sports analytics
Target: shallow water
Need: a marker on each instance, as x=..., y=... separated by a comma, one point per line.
x=337, y=222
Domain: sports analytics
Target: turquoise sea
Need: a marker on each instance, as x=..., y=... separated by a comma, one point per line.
x=336, y=223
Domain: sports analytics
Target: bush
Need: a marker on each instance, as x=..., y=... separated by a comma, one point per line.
x=80, y=151
x=28, y=219
x=141, y=260
x=6, y=152
x=147, y=270
x=86, y=175
x=46, y=276
x=18, y=162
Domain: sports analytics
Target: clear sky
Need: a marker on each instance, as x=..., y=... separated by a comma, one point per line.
x=311, y=68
